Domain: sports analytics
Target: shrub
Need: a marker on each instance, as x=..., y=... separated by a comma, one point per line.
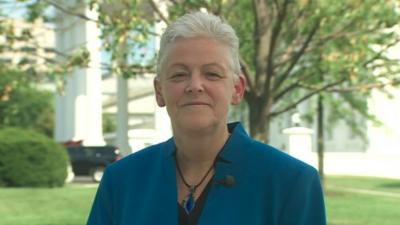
x=30, y=159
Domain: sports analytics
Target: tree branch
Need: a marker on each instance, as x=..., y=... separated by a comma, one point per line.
x=219, y=8
x=297, y=56
x=285, y=91
x=69, y=12
x=342, y=33
x=159, y=13
x=363, y=87
x=261, y=35
x=229, y=8
x=279, y=95
x=281, y=15
x=247, y=75
x=383, y=50
x=307, y=96
x=385, y=63
x=182, y=5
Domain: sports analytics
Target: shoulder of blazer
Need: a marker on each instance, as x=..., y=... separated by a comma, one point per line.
x=142, y=158
x=263, y=157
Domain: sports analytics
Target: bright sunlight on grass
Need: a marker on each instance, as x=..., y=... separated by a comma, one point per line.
x=45, y=206
x=349, y=201
x=362, y=201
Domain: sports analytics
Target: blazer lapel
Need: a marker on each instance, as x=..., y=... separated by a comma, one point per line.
x=222, y=202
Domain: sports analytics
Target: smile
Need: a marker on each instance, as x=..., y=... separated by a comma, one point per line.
x=195, y=104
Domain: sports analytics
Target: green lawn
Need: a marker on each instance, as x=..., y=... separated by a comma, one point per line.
x=378, y=204
x=41, y=206
x=370, y=183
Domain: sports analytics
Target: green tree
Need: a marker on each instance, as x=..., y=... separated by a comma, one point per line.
x=297, y=40
x=285, y=46
x=24, y=105
x=292, y=50
x=18, y=39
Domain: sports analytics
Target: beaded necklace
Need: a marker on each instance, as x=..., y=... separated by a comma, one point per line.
x=188, y=202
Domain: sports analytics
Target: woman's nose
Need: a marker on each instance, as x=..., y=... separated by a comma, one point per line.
x=195, y=84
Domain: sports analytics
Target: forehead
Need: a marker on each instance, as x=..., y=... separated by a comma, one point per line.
x=197, y=51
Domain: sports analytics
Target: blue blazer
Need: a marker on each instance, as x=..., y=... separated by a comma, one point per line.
x=271, y=188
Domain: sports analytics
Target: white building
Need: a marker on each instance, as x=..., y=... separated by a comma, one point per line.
x=147, y=123
x=32, y=52
x=87, y=96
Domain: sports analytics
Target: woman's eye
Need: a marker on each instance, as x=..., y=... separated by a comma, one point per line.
x=213, y=76
x=178, y=76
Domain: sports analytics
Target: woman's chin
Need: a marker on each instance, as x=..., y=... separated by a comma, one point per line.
x=196, y=124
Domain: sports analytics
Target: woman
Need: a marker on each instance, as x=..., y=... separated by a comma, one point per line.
x=209, y=172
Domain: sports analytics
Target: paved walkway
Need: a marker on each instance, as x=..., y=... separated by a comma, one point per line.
x=84, y=181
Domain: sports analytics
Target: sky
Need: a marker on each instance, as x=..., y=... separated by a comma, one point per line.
x=13, y=9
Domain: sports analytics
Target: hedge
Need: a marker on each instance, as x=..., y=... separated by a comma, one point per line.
x=30, y=159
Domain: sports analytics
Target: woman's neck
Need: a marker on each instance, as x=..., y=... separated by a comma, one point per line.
x=195, y=157
x=199, y=149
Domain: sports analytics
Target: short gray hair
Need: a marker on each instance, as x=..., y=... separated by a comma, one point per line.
x=200, y=24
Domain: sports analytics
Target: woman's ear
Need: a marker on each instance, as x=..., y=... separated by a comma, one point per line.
x=239, y=88
x=157, y=89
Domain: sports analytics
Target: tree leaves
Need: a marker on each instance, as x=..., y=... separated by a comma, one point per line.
x=343, y=41
x=22, y=104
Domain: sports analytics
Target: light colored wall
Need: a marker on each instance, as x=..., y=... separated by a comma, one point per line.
x=386, y=138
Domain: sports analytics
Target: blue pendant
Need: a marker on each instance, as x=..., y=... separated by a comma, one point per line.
x=188, y=203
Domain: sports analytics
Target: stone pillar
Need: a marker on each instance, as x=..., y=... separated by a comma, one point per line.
x=79, y=109
x=122, y=116
x=300, y=143
x=94, y=123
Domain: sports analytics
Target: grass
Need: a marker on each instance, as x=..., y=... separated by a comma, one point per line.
x=361, y=209
x=370, y=183
x=70, y=205
x=346, y=207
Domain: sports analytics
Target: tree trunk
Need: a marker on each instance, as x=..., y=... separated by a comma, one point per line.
x=320, y=136
x=259, y=98
x=259, y=120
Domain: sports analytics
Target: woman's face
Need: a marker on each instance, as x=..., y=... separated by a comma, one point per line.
x=197, y=84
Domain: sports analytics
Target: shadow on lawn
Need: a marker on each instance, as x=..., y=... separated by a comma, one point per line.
x=392, y=185
x=334, y=193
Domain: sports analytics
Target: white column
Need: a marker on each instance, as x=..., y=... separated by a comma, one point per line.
x=79, y=108
x=59, y=111
x=59, y=131
x=94, y=129
x=122, y=116
x=76, y=98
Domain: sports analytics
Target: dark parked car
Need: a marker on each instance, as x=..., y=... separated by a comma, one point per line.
x=91, y=160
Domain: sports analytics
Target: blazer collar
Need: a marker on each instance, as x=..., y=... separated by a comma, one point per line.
x=231, y=151
x=233, y=148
